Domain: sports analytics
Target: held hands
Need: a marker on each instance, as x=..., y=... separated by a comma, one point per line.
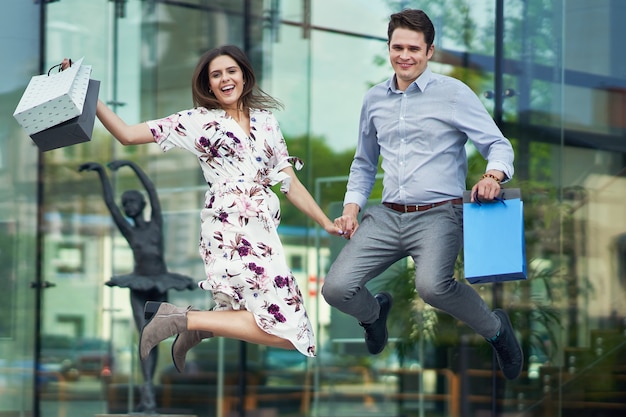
x=348, y=225
x=332, y=229
x=488, y=187
x=348, y=222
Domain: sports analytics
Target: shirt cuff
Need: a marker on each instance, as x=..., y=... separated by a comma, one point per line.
x=356, y=198
x=504, y=168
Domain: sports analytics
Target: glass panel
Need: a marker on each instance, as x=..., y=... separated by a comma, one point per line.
x=362, y=20
x=76, y=333
x=19, y=39
x=592, y=307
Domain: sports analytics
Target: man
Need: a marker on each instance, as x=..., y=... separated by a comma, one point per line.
x=419, y=123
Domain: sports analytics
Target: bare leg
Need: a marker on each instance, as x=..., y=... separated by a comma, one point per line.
x=167, y=320
x=234, y=324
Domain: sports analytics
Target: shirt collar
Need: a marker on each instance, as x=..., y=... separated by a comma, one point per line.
x=421, y=82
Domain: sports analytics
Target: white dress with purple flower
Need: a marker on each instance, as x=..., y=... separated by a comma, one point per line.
x=243, y=256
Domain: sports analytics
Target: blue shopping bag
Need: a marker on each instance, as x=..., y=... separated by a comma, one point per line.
x=493, y=238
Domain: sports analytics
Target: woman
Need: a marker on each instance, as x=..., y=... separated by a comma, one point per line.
x=242, y=153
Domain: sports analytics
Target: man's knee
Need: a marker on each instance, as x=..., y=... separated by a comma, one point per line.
x=434, y=292
x=335, y=293
x=330, y=294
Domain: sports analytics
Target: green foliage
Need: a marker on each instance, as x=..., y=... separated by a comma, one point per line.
x=320, y=161
x=410, y=318
x=539, y=320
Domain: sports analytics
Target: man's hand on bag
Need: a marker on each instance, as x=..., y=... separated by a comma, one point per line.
x=488, y=187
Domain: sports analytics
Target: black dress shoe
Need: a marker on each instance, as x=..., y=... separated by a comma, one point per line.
x=376, y=333
x=508, y=350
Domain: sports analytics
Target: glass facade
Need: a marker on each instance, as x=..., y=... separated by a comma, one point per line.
x=552, y=74
x=20, y=208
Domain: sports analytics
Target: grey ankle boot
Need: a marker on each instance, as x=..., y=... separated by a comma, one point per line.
x=185, y=341
x=164, y=320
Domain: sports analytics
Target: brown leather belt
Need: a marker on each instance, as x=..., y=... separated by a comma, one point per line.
x=410, y=209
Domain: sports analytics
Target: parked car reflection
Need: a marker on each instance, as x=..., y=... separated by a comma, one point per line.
x=73, y=358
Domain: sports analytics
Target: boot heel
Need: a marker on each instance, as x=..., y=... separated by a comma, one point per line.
x=150, y=309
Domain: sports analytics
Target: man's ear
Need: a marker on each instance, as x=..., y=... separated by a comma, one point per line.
x=431, y=51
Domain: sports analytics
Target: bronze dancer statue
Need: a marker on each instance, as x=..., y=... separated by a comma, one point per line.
x=150, y=279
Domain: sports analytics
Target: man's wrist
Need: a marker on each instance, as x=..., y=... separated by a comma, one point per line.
x=491, y=176
x=351, y=209
x=500, y=175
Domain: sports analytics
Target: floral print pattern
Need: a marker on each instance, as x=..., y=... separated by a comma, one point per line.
x=243, y=256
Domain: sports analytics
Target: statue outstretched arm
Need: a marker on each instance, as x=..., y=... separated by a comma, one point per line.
x=107, y=194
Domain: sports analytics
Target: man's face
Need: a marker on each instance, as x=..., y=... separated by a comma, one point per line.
x=408, y=55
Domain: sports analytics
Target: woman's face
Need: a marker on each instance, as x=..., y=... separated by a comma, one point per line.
x=226, y=81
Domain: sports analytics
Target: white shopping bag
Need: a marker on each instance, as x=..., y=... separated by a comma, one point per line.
x=73, y=131
x=53, y=99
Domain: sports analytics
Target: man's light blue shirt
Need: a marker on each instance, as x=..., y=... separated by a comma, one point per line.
x=421, y=135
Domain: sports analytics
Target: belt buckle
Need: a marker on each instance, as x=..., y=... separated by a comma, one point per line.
x=406, y=208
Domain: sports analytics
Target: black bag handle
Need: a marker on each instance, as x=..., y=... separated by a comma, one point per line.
x=480, y=203
x=58, y=65
x=504, y=194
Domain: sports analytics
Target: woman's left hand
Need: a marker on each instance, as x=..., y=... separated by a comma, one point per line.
x=333, y=230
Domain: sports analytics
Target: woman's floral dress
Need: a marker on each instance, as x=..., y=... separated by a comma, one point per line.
x=243, y=256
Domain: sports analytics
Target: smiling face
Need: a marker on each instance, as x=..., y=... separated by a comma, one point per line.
x=409, y=55
x=226, y=81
